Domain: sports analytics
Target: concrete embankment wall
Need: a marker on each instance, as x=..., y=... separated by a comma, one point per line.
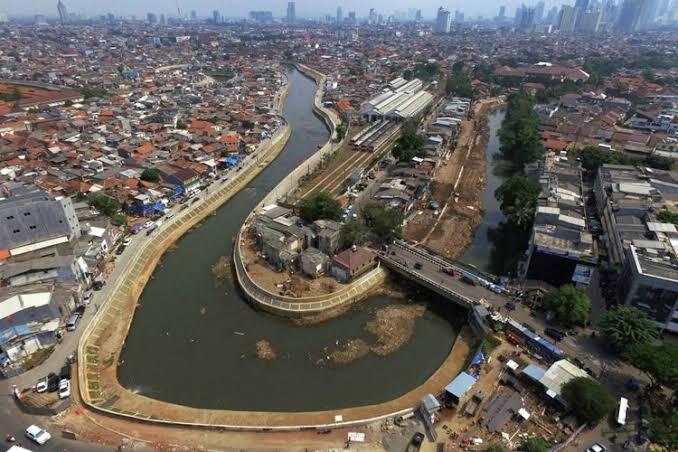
x=297, y=307
x=105, y=335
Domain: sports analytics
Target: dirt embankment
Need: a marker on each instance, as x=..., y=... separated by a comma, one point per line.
x=392, y=327
x=457, y=187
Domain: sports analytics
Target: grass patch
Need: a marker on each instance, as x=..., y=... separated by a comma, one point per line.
x=489, y=343
x=37, y=358
x=108, y=362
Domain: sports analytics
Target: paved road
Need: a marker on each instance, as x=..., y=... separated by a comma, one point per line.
x=13, y=421
x=431, y=269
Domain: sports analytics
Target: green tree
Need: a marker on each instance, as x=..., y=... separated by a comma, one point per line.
x=663, y=430
x=459, y=85
x=426, y=71
x=353, y=233
x=88, y=93
x=384, y=222
x=570, y=305
x=411, y=143
x=589, y=400
x=104, y=204
x=12, y=96
x=320, y=206
x=408, y=74
x=668, y=217
x=622, y=326
x=341, y=131
x=659, y=361
x=518, y=199
x=495, y=448
x=592, y=158
x=519, y=132
x=535, y=444
x=150, y=175
x=458, y=66
x=658, y=162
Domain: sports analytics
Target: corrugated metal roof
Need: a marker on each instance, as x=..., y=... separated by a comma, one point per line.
x=460, y=385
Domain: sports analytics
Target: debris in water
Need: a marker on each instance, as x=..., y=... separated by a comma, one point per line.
x=265, y=350
x=239, y=333
x=353, y=350
x=203, y=310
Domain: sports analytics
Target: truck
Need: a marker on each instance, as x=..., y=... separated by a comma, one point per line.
x=450, y=271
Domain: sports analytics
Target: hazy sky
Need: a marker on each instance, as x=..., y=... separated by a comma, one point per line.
x=240, y=8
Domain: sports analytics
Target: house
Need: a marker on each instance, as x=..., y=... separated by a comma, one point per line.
x=328, y=235
x=186, y=177
x=314, y=262
x=352, y=262
x=458, y=390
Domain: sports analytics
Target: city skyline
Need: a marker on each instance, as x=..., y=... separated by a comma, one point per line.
x=304, y=8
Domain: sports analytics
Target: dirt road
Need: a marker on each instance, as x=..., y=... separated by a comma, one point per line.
x=457, y=187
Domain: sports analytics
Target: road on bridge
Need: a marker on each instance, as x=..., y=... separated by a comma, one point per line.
x=431, y=269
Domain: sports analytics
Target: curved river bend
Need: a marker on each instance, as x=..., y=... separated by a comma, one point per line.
x=193, y=342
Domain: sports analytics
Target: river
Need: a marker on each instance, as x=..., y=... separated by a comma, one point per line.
x=506, y=243
x=192, y=342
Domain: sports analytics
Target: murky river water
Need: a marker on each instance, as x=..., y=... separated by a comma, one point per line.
x=193, y=343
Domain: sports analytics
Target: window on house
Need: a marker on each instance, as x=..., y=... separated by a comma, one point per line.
x=26, y=214
x=16, y=230
x=32, y=227
x=11, y=217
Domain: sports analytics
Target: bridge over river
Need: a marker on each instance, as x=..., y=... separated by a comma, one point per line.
x=425, y=268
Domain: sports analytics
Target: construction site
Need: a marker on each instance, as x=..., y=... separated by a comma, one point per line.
x=457, y=187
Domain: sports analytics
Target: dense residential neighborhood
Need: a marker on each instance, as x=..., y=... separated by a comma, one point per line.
x=402, y=232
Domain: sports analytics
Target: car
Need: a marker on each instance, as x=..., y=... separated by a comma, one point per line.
x=510, y=306
x=64, y=388
x=416, y=441
x=87, y=298
x=597, y=447
x=418, y=266
x=41, y=386
x=148, y=224
x=65, y=372
x=169, y=215
x=120, y=250
x=554, y=334
x=80, y=309
x=52, y=382
x=37, y=434
x=127, y=241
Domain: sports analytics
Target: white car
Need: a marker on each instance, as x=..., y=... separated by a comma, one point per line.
x=597, y=447
x=37, y=434
x=148, y=224
x=64, y=388
x=87, y=298
x=127, y=241
x=41, y=386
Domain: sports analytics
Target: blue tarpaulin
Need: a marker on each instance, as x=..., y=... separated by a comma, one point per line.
x=478, y=358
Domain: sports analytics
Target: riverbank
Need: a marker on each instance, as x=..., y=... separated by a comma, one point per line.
x=457, y=187
x=105, y=336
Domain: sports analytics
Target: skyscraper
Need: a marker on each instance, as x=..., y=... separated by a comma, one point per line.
x=291, y=13
x=502, y=12
x=443, y=19
x=151, y=18
x=194, y=15
x=372, y=18
x=539, y=11
x=216, y=17
x=566, y=19
x=417, y=16
x=340, y=14
x=589, y=21
x=628, y=15
x=63, y=12
x=458, y=17
x=648, y=13
x=581, y=4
